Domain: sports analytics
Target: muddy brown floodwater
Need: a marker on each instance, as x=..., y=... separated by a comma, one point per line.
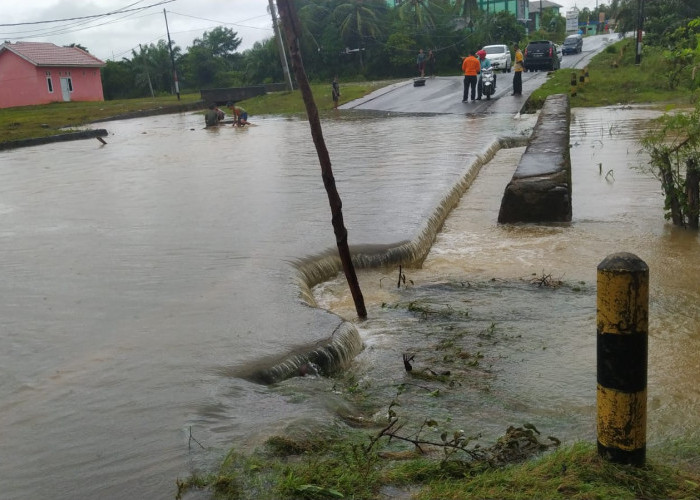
x=518, y=352
x=140, y=277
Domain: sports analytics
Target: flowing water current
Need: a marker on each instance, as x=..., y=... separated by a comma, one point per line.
x=142, y=279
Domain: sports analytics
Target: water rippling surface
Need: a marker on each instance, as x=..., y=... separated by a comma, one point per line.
x=140, y=277
x=538, y=360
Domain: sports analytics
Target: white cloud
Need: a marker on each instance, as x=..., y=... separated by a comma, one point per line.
x=114, y=36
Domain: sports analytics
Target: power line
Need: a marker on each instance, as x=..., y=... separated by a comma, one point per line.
x=62, y=30
x=121, y=11
x=238, y=23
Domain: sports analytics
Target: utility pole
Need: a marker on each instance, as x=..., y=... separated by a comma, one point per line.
x=172, y=59
x=292, y=30
x=640, y=28
x=145, y=67
x=280, y=45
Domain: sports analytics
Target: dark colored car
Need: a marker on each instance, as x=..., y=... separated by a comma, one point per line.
x=573, y=44
x=541, y=54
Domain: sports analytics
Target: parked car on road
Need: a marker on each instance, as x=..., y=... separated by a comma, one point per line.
x=541, y=54
x=560, y=54
x=499, y=55
x=573, y=44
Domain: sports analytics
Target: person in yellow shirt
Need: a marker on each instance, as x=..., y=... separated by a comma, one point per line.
x=471, y=68
x=517, y=71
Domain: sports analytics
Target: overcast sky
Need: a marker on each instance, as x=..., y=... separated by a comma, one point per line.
x=114, y=36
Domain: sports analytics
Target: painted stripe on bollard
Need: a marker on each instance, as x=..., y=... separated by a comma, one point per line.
x=622, y=354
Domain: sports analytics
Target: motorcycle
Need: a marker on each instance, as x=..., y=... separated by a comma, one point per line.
x=488, y=82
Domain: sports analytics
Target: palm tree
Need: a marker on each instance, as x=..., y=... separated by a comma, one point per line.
x=313, y=17
x=357, y=20
x=421, y=13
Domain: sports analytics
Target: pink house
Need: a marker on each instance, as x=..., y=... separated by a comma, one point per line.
x=39, y=73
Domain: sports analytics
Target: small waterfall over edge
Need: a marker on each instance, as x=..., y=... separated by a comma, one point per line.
x=345, y=342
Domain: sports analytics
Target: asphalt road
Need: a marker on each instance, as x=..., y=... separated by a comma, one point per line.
x=443, y=95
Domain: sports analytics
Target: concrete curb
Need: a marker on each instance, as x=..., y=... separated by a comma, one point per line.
x=37, y=141
x=540, y=190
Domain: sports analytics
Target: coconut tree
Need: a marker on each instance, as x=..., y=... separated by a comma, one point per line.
x=358, y=20
x=420, y=13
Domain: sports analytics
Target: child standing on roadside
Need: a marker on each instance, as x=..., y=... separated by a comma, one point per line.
x=335, y=91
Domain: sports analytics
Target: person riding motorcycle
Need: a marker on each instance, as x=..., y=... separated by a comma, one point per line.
x=485, y=63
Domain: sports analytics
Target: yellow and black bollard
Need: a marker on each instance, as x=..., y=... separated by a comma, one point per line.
x=573, y=83
x=622, y=344
x=586, y=79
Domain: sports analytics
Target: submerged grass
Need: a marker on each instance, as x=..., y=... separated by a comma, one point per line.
x=362, y=455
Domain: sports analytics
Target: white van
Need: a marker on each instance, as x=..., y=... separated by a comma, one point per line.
x=499, y=55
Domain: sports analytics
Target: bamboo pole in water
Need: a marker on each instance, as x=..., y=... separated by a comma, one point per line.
x=292, y=28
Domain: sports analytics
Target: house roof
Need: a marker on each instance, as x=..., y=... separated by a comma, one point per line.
x=534, y=7
x=48, y=54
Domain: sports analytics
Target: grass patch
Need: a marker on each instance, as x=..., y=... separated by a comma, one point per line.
x=574, y=472
x=347, y=467
x=614, y=78
x=28, y=122
x=290, y=102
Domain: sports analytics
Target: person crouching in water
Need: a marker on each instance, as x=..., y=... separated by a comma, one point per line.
x=240, y=115
x=213, y=116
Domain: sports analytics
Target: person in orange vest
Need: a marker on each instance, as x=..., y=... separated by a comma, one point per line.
x=471, y=68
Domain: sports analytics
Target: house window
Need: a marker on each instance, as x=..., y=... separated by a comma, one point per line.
x=49, y=84
x=70, y=84
x=48, y=73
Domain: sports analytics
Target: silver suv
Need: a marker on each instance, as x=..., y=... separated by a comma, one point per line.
x=499, y=55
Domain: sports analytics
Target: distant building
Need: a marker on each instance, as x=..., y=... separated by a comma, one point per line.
x=536, y=15
x=40, y=73
x=516, y=7
x=519, y=8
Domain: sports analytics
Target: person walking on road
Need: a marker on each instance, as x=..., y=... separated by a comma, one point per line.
x=517, y=71
x=471, y=68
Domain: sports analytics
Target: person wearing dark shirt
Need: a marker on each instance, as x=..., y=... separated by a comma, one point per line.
x=212, y=117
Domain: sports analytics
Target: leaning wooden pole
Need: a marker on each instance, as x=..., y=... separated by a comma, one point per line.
x=292, y=29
